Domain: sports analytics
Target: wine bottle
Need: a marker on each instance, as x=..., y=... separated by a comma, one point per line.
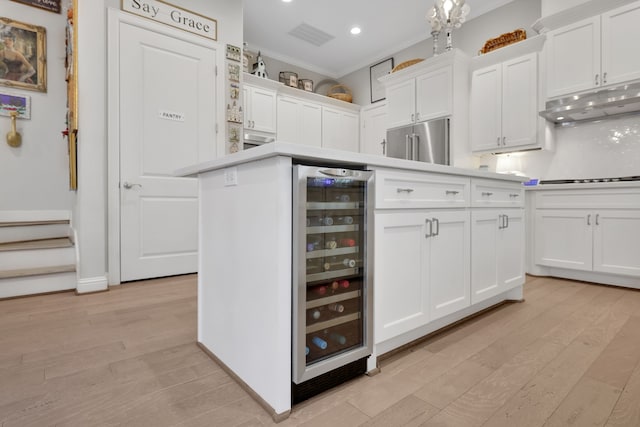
x=319, y=342
x=340, y=339
x=335, y=285
x=344, y=283
x=348, y=262
x=315, y=314
x=345, y=220
x=347, y=242
x=331, y=243
x=343, y=198
x=306, y=350
x=327, y=220
x=335, y=262
x=338, y=308
x=320, y=290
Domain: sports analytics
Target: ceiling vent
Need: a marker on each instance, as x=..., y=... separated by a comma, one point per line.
x=311, y=34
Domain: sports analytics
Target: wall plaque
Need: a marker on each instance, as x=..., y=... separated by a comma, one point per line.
x=50, y=5
x=174, y=16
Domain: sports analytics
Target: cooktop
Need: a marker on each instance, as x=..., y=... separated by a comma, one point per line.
x=590, y=180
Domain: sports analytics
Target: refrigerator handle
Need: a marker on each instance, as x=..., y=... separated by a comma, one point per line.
x=406, y=146
x=415, y=146
x=384, y=146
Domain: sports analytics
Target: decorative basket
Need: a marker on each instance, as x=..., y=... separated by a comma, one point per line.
x=406, y=64
x=341, y=92
x=503, y=40
x=289, y=78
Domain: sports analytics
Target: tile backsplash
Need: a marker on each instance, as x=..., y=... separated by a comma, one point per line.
x=606, y=148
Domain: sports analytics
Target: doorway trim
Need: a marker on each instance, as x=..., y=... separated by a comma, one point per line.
x=114, y=18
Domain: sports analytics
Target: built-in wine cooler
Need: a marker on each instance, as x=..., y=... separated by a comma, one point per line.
x=332, y=279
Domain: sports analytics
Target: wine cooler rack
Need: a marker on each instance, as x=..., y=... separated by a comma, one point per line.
x=332, y=293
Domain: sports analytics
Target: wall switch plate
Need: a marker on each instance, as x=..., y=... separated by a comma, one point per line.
x=230, y=176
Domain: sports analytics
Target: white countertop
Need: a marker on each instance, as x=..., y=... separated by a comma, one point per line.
x=337, y=157
x=584, y=186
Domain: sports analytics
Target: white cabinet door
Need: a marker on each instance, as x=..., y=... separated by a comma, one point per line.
x=311, y=124
x=486, y=108
x=288, y=120
x=401, y=300
x=259, y=109
x=519, y=101
x=616, y=237
x=373, y=129
x=504, y=105
x=449, y=248
x=563, y=238
x=340, y=129
x=434, y=94
x=511, y=249
x=620, y=35
x=401, y=103
x=484, y=255
x=573, y=57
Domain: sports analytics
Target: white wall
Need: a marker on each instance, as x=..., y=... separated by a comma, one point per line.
x=35, y=176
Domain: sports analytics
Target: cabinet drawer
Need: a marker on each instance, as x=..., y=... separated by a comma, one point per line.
x=493, y=193
x=612, y=198
x=420, y=190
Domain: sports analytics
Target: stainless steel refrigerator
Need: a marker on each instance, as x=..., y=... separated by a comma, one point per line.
x=425, y=142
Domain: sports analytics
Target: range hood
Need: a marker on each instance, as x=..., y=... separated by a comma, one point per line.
x=594, y=105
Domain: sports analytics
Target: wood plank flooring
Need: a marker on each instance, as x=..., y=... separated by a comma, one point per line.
x=568, y=356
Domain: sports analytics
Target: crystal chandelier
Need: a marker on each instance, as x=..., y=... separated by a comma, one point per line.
x=447, y=14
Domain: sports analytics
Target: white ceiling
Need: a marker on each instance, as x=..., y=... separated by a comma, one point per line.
x=387, y=27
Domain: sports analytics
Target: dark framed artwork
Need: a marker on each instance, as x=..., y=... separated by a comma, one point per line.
x=23, y=55
x=50, y=5
x=375, y=72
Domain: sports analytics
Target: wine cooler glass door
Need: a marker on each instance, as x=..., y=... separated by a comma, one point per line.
x=331, y=292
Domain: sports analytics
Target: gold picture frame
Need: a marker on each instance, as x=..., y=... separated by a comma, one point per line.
x=23, y=55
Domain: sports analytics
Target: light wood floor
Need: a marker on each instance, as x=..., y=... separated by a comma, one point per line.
x=568, y=356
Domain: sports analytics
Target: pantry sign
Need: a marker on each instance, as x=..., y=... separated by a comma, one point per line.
x=175, y=16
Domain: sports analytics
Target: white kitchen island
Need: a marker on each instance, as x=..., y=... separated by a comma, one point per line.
x=448, y=242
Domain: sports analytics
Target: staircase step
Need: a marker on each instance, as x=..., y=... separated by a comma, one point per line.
x=34, y=284
x=37, y=271
x=39, y=231
x=28, y=223
x=60, y=242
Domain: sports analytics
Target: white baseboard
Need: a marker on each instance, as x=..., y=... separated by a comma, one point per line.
x=92, y=284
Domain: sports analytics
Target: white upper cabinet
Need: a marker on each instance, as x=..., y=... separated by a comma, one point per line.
x=620, y=35
x=259, y=109
x=425, y=97
x=594, y=52
x=504, y=100
x=373, y=129
x=299, y=121
x=340, y=129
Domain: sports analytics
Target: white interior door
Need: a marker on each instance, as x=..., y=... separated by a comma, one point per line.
x=167, y=121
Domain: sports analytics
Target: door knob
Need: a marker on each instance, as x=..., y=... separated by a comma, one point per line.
x=129, y=185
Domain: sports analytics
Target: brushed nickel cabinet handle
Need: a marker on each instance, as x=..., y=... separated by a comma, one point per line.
x=451, y=192
x=404, y=190
x=487, y=193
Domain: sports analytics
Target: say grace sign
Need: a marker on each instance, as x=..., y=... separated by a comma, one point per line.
x=172, y=15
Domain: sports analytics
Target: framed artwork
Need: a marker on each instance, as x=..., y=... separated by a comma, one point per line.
x=50, y=5
x=23, y=61
x=375, y=72
x=20, y=104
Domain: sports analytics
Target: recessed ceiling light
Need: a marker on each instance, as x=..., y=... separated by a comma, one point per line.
x=286, y=1
x=355, y=30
